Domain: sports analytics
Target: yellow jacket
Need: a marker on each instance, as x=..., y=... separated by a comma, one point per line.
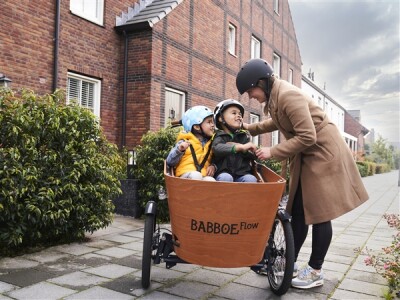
x=186, y=163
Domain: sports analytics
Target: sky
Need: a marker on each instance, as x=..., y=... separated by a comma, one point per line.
x=353, y=47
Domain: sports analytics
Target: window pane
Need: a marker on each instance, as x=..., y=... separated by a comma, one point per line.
x=174, y=105
x=73, y=89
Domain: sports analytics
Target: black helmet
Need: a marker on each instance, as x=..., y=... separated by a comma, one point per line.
x=252, y=71
x=219, y=109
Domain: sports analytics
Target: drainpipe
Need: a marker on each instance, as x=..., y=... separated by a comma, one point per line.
x=56, y=45
x=125, y=88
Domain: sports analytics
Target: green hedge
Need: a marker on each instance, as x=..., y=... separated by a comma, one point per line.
x=151, y=154
x=58, y=173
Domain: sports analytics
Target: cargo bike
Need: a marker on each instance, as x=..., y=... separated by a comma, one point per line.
x=223, y=225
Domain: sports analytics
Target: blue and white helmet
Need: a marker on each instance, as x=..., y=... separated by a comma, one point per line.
x=195, y=116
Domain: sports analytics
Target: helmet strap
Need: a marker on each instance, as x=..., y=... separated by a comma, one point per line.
x=199, y=132
x=232, y=130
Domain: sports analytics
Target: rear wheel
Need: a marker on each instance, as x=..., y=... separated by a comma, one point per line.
x=281, y=260
x=147, y=250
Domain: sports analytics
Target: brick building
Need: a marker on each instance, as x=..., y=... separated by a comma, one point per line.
x=136, y=64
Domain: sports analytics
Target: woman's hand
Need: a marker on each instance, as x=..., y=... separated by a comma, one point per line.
x=245, y=126
x=263, y=153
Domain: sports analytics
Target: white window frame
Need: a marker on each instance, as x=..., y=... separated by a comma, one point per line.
x=277, y=65
x=274, y=138
x=173, y=105
x=255, y=119
x=290, y=76
x=95, y=83
x=86, y=8
x=232, y=39
x=255, y=47
x=276, y=6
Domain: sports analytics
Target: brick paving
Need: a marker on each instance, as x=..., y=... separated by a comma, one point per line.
x=108, y=265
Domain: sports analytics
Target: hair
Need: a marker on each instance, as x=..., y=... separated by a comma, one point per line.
x=266, y=85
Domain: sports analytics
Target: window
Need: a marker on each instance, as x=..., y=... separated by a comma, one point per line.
x=91, y=10
x=84, y=90
x=174, y=105
x=277, y=65
x=276, y=6
x=290, y=77
x=254, y=119
x=274, y=138
x=232, y=39
x=255, y=47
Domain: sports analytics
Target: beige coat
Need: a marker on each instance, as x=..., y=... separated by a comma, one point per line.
x=319, y=157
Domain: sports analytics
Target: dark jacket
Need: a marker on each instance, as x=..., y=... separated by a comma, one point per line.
x=236, y=164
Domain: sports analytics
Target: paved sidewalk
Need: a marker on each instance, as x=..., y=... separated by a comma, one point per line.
x=108, y=266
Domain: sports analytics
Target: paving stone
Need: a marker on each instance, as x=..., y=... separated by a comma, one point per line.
x=40, y=291
x=210, y=277
x=128, y=284
x=135, y=233
x=253, y=279
x=362, y=287
x=160, y=296
x=163, y=275
x=75, y=249
x=45, y=256
x=78, y=280
x=100, y=244
x=121, y=239
x=233, y=271
x=110, y=270
x=190, y=290
x=26, y=277
x=99, y=293
x=6, y=287
x=136, y=245
x=239, y=292
x=340, y=294
x=366, y=276
x=115, y=252
x=16, y=263
x=60, y=268
x=131, y=261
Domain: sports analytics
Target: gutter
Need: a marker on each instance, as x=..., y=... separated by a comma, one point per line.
x=56, y=45
x=125, y=88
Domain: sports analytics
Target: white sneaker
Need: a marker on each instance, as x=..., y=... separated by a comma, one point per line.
x=308, y=278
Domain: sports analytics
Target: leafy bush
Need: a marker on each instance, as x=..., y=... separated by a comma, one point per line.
x=387, y=263
x=151, y=154
x=58, y=173
x=362, y=168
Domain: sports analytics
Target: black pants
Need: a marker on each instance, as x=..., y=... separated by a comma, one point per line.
x=321, y=233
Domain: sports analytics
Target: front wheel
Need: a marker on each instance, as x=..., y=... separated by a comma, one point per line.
x=281, y=260
x=147, y=249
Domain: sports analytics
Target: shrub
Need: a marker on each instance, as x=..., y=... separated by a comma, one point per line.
x=362, y=168
x=58, y=173
x=151, y=154
x=387, y=263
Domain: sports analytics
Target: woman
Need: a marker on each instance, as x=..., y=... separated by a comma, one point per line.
x=324, y=179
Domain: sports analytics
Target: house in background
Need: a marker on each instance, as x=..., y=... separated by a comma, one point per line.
x=139, y=63
x=353, y=132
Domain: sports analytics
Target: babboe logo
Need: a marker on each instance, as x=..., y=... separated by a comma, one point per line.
x=221, y=228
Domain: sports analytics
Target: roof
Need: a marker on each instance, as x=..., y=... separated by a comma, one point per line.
x=145, y=13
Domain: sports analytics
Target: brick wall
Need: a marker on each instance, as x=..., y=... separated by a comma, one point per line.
x=187, y=50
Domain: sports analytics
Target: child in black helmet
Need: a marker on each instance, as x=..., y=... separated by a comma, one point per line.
x=232, y=144
x=191, y=156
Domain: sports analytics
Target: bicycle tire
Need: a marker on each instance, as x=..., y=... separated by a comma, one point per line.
x=147, y=250
x=282, y=256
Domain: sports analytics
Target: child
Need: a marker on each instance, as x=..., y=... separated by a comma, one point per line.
x=232, y=144
x=191, y=155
